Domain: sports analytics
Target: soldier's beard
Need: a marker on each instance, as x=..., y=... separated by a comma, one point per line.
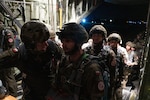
x=73, y=51
x=98, y=43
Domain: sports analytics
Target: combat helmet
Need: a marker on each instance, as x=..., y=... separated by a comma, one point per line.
x=74, y=31
x=33, y=32
x=98, y=29
x=115, y=36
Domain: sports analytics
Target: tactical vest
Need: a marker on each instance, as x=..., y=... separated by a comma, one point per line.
x=71, y=81
x=102, y=53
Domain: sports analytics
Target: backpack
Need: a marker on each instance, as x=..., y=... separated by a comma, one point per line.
x=75, y=79
x=104, y=70
x=88, y=59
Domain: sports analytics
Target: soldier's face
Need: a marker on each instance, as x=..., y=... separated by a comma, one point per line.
x=41, y=46
x=68, y=46
x=128, y=47
x=97, y=38
x=113, y=43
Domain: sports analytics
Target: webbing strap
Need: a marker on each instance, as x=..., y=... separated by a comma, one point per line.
x=2, y=41
x=74, y=74
x=79, y=75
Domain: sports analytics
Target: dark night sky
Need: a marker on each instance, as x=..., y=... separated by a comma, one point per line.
x=120, y=11
x=119, y=14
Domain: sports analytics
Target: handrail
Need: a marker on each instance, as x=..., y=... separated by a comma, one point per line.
x=8, y=11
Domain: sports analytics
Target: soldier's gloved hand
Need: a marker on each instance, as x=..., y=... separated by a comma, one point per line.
x=14, y=50
x=9, y=52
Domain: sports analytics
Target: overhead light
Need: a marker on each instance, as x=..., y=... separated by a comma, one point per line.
x=83, y=20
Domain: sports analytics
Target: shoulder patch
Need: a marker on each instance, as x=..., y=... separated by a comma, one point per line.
x=101, y=86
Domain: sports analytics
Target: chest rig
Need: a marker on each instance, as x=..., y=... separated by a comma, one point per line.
x=72, y=75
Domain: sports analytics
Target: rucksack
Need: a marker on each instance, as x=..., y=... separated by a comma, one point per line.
x=76, y=77
x=88, y=59
x=104, y=70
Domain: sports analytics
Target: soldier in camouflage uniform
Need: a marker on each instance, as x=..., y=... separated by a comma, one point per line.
x=114, y=41
x=6, y=42
x=79, y=77
x=99, y=48
x=36, y=57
